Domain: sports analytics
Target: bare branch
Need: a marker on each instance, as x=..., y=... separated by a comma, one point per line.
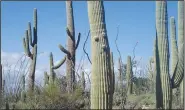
x=84, y=47
x=134, y=51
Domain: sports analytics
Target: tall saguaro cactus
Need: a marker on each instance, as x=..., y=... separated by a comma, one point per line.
x=165, y=84
x=101, y=84
x=120, y=72
x=72, y=45
x=32, y=55
x=181, y=39
x=129, y=75
x=52, y=67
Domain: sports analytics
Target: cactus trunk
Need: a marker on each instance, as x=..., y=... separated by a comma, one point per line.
x=23, y=92
x=70, y=62
x=181, y=40
x=101, y=94
x=162, y=44
x=83, y=81
x=120, y=72
x=129, y=76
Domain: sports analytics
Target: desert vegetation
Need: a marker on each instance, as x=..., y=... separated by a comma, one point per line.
x=110, y=87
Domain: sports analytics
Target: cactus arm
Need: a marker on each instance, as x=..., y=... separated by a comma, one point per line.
x=78, y=41
x=35, y=27
x=26, y=45
x=69, y=34
x=159, y=98
x=30, y=34
x=52, y=73
x=179, y=73
x=174, y=49
x=64, y=50
x=59, y=64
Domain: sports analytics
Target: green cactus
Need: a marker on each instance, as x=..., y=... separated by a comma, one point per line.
x=129, y=75
x=52, y=68
x=101, y=84
x=3, y=86
x=112, y=72
x=46, y=78
x=32, y=55
x=83, y=81
x=181, y=39
x=7, y=106
x=152, y=75
x=23, y=92
x=165, y=84
x=72, y=45
x=112, y=77
x=120, y=77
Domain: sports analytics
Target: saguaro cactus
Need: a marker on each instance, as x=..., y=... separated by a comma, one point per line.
x=112, y=72
x=129, y=75
x=101, y=84
x=52, y=67
x=72, y=45
x=46, y=78
x=164, y=83
x=120, y=72
x=83, y=81
x=23, y=92
x=32, y=55
x=181, y=39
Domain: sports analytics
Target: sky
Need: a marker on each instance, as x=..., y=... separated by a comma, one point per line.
x=136, y=21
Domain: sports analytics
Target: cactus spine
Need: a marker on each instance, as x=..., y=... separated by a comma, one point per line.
x=164, y=83
x=72, y=45
x=129, y=76
x=181, y=39
x=101, y=84
x=52, y=67
x=33, y=56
